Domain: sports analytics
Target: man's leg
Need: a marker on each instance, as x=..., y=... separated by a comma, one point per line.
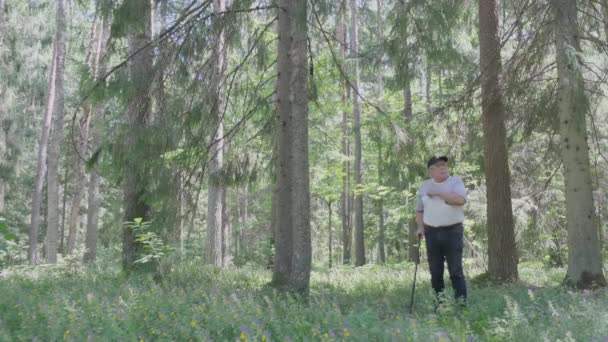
x=454, y=245
x=435, y=258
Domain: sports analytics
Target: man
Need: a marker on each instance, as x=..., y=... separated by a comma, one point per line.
x=439, y=215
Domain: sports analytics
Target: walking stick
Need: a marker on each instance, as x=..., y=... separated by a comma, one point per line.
x=415, y=272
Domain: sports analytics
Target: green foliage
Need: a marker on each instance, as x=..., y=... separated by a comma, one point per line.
x=5, y=233
x=12, y=247
x=153, y=248
x=362, y=304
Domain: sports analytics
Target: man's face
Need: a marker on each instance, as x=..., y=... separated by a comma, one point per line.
x=439, y=170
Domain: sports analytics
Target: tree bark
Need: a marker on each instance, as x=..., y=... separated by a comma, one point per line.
x=584, y=255
x=345, y=208
x=56, y=139
x=359, y=229
x=243, y=220
x=82, y=142
x=102, y=57
x=3, y=129
x=408, y=116
x=502, y=253
x=44, y=137
x=217, y=190
x=427, y=85
x=381, y=228
x=227, y=251
x=330, y=233
x=139, y=108
x=41, y=166
x=292, y=226
x=605, y=13
x=64, y=206
x=1, y=14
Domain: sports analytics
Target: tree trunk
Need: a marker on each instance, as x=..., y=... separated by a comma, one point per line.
x=330, y=232
x=292, y=228
x=605, y=13
x=1, y=13
x=408, y=115
x=41, y=166
x=44, y=139
x=440, y=85
x=407, y=96
x=501, y=237
x=3, y=134
x=584, y=255
x=427, y=86
x=359, y=229
x=139, y=108
x=64, y=206
x=381, y=243
x=345, y=207
x=56, y=139
x=177, y=236
x=102, y=57
x=217, y=190
x=227, y=251
x=381, y=247
x=243, y=219
x=96, y=46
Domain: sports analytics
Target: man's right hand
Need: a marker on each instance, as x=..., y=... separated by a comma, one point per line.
x=420, y=233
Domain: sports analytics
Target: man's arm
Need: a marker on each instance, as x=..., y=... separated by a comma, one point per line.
x=457, y=197
x=451, y=198
x=420, y=222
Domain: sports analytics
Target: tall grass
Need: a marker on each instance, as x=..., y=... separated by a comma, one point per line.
x=370, y=303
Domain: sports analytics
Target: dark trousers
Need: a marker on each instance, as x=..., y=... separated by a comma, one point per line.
x=445, y=244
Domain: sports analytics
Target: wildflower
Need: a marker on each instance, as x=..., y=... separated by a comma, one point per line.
x=243, y=335
x=193, y=323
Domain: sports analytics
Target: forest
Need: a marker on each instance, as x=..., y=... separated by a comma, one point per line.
x=255, y=170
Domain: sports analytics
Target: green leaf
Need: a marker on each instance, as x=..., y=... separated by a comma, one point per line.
x=138, y=220
x=3, y=227
x=93, y=160
x=10, y=236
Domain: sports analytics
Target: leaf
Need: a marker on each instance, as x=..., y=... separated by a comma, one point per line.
x=138, y=220
x=93, y=160
x=3, y=227
x=10, y=236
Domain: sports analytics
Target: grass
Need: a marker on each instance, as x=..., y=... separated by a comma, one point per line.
x=363, y=304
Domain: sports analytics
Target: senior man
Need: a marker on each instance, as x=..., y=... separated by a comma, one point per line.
x=439, y=215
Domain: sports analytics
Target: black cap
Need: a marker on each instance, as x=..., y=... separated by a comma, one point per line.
x=435, y=159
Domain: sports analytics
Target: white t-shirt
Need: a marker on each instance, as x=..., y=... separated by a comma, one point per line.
x=437, y=212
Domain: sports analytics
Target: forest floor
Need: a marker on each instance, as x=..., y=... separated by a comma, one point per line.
x=369, y=303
